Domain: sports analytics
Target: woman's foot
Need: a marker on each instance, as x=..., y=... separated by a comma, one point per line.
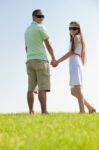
x=92, y=110
x=82, y=112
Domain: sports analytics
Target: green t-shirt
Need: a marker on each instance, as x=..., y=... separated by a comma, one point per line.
x=35, y=34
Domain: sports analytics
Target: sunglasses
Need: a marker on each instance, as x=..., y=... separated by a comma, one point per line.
x=74, y=28
x=40, y=16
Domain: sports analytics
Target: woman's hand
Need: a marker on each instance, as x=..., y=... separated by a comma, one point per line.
x=54, y=63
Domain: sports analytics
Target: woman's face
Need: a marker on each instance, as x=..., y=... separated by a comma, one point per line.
x=73, y=28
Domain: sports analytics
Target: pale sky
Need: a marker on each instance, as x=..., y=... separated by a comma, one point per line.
x=15, y=17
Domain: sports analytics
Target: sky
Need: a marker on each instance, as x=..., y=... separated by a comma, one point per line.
x=15, y=17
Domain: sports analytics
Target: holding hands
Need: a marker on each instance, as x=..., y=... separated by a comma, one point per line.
x=54, y=63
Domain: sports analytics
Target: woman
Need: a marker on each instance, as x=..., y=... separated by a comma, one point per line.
x=77, y=60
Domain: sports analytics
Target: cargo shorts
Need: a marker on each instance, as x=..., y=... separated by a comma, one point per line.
x=38, y=75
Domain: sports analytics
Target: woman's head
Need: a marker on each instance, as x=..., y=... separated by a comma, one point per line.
x=74, y=28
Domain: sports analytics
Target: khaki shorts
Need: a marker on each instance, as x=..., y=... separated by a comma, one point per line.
x=38, y=74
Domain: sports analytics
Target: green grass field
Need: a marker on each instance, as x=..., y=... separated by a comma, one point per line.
x=56, y=131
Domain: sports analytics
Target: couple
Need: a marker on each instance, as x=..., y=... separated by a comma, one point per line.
x=36, y=37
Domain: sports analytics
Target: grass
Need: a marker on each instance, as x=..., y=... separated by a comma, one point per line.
x=56, y=131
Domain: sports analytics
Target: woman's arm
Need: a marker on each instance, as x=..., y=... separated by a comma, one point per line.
x=56, y=62
x=67, y=55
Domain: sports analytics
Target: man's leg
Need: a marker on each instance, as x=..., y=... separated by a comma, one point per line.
x=43, y=80
x=42, y=98
x=30, y=99
x=32, y=82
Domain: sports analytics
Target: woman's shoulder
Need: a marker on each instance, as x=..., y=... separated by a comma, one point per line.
x=77, y=39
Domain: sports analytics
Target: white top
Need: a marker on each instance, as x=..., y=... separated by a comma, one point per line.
x=75, y=67
x=78, y=49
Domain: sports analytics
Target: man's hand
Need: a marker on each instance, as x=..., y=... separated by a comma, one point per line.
x=54, y=63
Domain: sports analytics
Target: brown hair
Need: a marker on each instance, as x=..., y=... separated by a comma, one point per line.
x=83, y=55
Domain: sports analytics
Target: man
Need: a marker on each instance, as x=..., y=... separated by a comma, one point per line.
x=37, y=63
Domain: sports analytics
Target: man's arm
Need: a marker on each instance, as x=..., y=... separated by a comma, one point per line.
x=49, y=48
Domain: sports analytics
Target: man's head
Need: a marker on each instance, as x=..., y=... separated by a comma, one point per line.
x=38, y=16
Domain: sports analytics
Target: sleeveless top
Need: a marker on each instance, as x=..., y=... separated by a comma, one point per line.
x=78, y=49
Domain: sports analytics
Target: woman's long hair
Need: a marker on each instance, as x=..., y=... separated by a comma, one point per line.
x=83, y=54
